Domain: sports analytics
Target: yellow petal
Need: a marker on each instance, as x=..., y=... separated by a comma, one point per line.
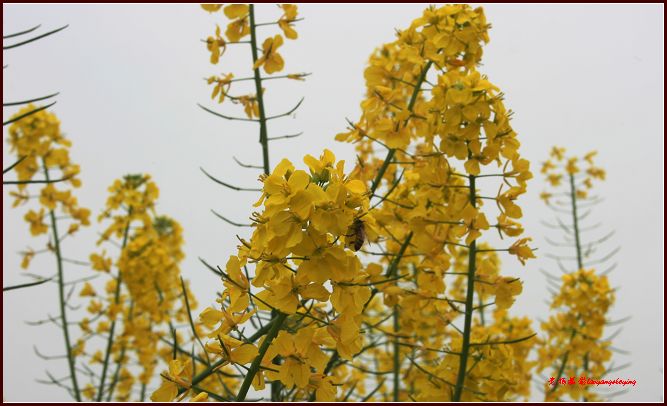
x=165, y=393
x=244, y=354
x=236, y=10
x=356, y=186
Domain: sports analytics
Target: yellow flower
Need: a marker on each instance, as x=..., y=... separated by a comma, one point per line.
x=37, y=225
x=179, y=374
x=98, y=357
x=20, y=198
x=222, y=85
x=285, y=21
x=320, y=168
x=547, y=166
x=521, y=249
x=506, y=201
x=271, y=59
x=236, y=11
x=167, y=392
x=505, y=289
x=300, y=352
x=250, y=105
x=211, y=8
x=345, y=332
x=597, y=173
x=88, y=391
x=509, y=227
x=217, y=46
x=558, y=153
x=237, y=286
x=571, y=166
x=87, y=290
x=100, y=263
x=325, y=391
x=49, y=197
x=237, y=29
x=554, y=179
x=27, y=257
x=546, y=196
x=589, y=157
x=474, y=222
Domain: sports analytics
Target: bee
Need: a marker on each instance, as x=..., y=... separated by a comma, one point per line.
x=356, y=235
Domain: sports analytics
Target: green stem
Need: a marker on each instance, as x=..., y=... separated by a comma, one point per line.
x=276, y=386
x=63, y=298
x=119, y=363
x=107, y=356
x=254, y=367
x=573, y=196
x=397, y=355
x=382, y=170
x=263, y=132
x=563, y=363
x=411, y=106
x=580, y=262
x=116, y=375
x=470, y=293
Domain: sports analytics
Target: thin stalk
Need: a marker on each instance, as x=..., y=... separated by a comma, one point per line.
x=391, y=273
x=119, y=363
x=264, y=140
x=116, y=375
x=580, y=261
x=575, y=221
x=397, y=355
x=263, y=132
x=105, y=365
x=562, y=365
x=62, y=296
x=470, y=293
x=254, y=367
x=411, y=105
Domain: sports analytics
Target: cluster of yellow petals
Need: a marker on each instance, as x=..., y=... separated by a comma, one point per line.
x=145, y=298
x=444, y=123
x=573, y=343
x=559, y=168
x=236, y=32
x=44, y=151
x=303, y=264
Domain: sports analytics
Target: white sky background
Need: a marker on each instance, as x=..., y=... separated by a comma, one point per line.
x=581, y=76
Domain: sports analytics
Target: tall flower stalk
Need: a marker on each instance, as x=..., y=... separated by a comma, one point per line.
x=439, y=129
x=573, y=346
x=243, y=24
x=41, y=147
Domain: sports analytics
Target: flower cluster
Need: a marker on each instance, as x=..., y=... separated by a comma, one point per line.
x=573, y=341
x=305, y=267
x=559, y=168
x=241, y=26
x=445, y=129
x=146, y=298
x=43, y=149
x=572, y=344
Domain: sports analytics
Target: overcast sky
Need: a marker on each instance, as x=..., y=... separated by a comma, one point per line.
x=581, y=76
